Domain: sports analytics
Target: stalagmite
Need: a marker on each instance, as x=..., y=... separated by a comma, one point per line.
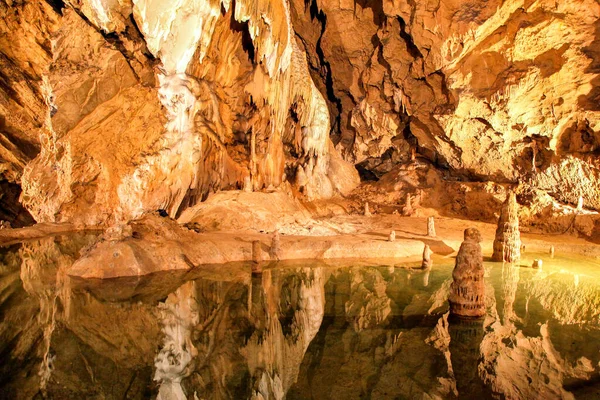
x=407, y=210
x=537, y=264
x=507, y=244
x=257, y=255
x=551, y=251
x=392, y=236
x=275, y=246
x=367, y=212
x=427, y=261
x=467, y=292
x=580, y=203
x=247, y=184
x=430, y=227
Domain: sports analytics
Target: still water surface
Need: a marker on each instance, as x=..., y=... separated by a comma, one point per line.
x=297, y=331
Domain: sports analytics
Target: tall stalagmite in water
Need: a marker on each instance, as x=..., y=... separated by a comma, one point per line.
x=467, y=292
x=507, y=243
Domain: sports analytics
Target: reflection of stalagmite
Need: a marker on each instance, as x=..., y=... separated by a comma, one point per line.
x=510, y=282
x=465, y=339
x=427, y=261
x=507, y=243
x=426, y=277
x=467, y=292
x=430, y=227
x=173, y=363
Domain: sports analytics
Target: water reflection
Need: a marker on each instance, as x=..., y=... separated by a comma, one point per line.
x=293, y=331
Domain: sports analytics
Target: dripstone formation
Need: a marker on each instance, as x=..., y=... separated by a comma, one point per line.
x=467, y=292
x=507, y=243
x=430, y=227
x=427, y=261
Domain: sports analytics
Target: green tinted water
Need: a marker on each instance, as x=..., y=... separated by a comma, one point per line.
x=297, y=330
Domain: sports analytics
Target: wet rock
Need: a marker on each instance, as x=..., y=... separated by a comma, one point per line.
x=467, y=292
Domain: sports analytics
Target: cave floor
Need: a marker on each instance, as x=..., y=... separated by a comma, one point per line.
x=158, y=244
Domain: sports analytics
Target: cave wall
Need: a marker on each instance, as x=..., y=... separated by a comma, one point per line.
x=150, y=105
x=492, y=90
x=111, y=109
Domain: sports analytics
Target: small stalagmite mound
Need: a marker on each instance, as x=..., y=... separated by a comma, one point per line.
x=507, y=243
x=392, y=236
x=467, y=292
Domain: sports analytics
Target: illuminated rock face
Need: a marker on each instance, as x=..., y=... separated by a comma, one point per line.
x=507, y=243
x=499, y=90
x=149, y=105
x=111, y=109
x=467, y=292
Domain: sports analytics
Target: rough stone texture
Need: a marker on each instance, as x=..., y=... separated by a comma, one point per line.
x=507, y=243
x=497, y=90
x=112, y=109
x=467, y=292
x=146, y=106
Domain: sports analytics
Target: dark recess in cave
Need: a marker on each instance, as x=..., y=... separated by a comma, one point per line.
x=242, y=27
x=365, y=174
x=57, y=5
x=320, y=16
x=11, y=209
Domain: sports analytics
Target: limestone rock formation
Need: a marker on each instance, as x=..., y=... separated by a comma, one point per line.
x=430, y=227
x=427, y=261
x=139, y=106
x=113, y=109
x=507, y=243
x=467, y=292
x=392, y=236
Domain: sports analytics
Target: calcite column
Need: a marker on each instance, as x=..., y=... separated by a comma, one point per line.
x=430, y=227
x=467, y=292
x=507, y=243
